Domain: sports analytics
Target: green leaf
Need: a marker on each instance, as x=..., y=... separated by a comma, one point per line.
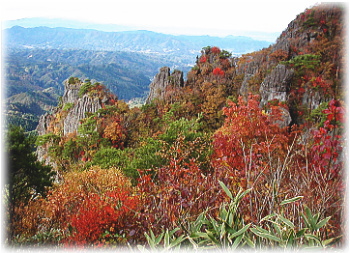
x=287, y=201
x=330, y=241
x=199, y=235
x=306, y=220
x=268, y=236
x=268, y=217
x=286, y=221
x=249, y=242
x=260, y=230
x=309, y=218
x=158, y=239
x=222, y=231
x=316, y=217
x=301, y=232
x=212, y=238
x=291, y=239
x=237, y=241
x=277, y=227
x=150, y=241
x=264, y=234
x=227, y=191
x=239, y=232
x=313, y=237
x=166, y=238
x=322, y=223
x=240, y=195
x=177, y=241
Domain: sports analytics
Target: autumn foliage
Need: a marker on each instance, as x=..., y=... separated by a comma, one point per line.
x=210, y=149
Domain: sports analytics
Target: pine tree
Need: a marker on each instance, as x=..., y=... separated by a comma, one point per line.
x=26, y=176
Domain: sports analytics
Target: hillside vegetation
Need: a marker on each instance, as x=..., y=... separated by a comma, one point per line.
x=248, y=152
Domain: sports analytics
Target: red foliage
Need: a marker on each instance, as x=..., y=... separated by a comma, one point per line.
x=327, y=144
x=215, y=50
x=95, y=214
x=335, y=114
x=113, y=130
x=203, y=59
x=319, y=82
x=218, y=72
x=90, y=220
x=247, y=130
x=225, y=63
x=250, y=148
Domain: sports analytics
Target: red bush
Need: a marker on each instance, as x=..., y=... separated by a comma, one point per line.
x=97, y=214
x=218, y=72
x=203, y=59
x=215, y=50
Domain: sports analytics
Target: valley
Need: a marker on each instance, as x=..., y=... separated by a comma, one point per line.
x=38, y=61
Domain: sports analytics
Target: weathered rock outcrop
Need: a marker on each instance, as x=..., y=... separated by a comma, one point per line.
x=276, y=84
x=316, y=32
x=65, y=119
x=162, y=80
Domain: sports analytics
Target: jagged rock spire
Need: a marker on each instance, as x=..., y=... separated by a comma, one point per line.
x=162, y=80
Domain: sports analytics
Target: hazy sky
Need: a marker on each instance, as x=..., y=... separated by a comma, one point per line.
x=177, y=16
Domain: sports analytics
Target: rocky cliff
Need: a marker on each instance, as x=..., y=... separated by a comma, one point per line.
x=304, y=67
x=162, y=80
x=79, y=99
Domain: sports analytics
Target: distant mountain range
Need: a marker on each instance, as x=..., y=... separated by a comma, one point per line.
x=131, y=41
x=67, y=23
x=39, y=59
x=58, y=22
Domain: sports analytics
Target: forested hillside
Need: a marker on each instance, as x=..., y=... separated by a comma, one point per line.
x=38, y=60
x=247, y=152
x=34, y=77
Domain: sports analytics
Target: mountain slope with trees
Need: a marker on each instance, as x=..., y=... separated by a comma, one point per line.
x=34, y=77
x=247, y=152
x=39, y=59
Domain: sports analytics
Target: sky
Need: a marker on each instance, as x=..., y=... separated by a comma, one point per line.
x=216, y=17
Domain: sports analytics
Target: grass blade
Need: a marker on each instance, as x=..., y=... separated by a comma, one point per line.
x=288, y=201
x=227, y=191
x=322, y=223
x=239, y=232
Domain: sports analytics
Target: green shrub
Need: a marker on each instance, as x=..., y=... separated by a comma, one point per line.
x=84, y=89
x=68, y=106
x=110, y=157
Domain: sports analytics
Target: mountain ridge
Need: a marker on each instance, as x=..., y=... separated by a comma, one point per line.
x=70, y=23
x=133, y=41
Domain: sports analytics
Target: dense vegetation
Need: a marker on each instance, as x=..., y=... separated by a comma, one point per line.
x=208, y=166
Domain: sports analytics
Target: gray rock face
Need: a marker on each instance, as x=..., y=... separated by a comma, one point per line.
x=276, y=84
x=71, y=92
x=312, y=99
x=249, y=70
x=66, y=119
x=81, y=107
x=161, y=81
